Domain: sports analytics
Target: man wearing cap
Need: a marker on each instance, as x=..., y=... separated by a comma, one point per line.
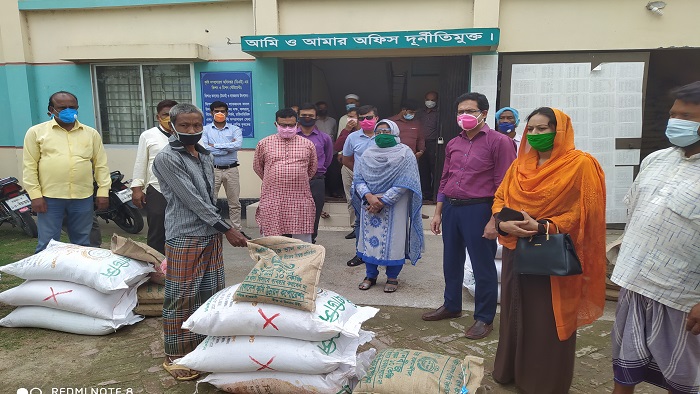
x=351, y=101
x=507, y=120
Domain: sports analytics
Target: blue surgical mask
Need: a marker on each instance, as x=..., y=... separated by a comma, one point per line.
x=68, y=115
x=409, y=116
x=506, y=127
x=682, y=132
x=348, y=107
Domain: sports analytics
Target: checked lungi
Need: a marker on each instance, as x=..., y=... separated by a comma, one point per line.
x=650, y=343
x=195, y=273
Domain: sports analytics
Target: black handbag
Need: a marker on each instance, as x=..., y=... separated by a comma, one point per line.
x=547, y=254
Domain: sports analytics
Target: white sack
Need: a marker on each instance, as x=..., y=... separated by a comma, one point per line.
x=93, y=267
x=222, y=316
x=58, y=320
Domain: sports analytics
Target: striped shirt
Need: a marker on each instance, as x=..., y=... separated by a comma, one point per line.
x=187, y=183
x=660, y=252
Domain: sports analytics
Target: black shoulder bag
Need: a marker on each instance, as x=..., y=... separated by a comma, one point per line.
x=547, y=254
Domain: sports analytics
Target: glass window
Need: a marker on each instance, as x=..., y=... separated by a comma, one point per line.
x=127, y=96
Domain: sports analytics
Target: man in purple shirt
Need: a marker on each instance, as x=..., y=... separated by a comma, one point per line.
x=324, y=152
x=475, y=163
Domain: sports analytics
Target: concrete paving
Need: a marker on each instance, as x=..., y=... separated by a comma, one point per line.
x=129, y=360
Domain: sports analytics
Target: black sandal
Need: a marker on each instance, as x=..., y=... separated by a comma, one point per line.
x=391, y=285
x=367, y=283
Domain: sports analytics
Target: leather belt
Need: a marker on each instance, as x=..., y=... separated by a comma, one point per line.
x=226, y=167
x=457, y=202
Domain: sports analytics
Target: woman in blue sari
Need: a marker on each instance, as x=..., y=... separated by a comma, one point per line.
x=387, y=197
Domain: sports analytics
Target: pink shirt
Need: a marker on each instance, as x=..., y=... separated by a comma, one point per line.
x=475, y=168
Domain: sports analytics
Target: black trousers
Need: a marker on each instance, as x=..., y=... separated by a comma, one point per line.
x=155, y=214
x=426, y=167
x=318, y=192
x=334, y=181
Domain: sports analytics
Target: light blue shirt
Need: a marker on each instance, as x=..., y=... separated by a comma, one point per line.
x=226, y=141
x=356, y=144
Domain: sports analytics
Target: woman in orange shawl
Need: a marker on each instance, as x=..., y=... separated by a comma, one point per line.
x=552, y=182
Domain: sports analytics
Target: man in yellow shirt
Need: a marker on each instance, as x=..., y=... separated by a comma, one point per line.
x=61, y=159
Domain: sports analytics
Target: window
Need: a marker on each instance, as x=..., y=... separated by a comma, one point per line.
x=127, y=96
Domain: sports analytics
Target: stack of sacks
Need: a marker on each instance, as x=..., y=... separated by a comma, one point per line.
x=76, y=289
x=413, y=371
x=277, y=330
x=150, y=297
x=470, y=282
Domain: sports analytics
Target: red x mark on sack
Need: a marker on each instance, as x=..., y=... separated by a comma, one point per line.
x=268, y=321
x=263, y=366
x=53, y=295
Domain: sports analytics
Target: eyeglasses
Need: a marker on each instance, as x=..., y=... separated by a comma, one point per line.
x=468, y=111
x=368, y=117
x=382, y=131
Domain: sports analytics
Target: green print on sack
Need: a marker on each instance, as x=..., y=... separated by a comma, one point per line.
x=332, y=308
x=115, y=267
x=329, y=346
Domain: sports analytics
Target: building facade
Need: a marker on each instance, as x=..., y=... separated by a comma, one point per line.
x=609, y=64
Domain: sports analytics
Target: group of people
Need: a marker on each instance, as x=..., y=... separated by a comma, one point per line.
x=181, y=163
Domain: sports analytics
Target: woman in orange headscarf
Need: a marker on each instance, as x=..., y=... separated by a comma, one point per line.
x=550, y=181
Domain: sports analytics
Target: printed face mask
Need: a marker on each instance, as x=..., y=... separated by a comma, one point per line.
x=219, y=117
x=286, y=132
x=682, y=133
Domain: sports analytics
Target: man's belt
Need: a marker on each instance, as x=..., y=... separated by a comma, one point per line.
x=458, y=202
x=226, y=167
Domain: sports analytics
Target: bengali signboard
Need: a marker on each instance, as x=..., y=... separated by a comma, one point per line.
x=450, y=38
x=235, y=88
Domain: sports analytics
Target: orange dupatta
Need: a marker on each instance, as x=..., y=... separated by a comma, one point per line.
x=569, y=190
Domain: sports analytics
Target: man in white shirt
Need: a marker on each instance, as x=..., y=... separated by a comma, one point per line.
x=351, y=101
x=144, y=185
x=656, y=336
x=224, y=140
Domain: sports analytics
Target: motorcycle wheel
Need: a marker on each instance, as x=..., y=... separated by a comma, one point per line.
x=26, y=223
x=128, y=219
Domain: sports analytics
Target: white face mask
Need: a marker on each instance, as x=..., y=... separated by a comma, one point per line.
x=682, y=132
x=430, y=103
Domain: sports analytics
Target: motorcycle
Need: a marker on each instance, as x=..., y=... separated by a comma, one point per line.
x=121, y=210
x=15, y=206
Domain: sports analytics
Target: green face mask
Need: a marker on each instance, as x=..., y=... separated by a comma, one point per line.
x=385, y=140
x=541, y=142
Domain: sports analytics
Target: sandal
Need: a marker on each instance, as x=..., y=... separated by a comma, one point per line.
x=175, y=367
x=325, y=215
x=391, y=285
x=367, y=283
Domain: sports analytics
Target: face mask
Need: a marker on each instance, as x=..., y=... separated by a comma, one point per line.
x=348, y=107
x=409, y=116
x=541, y=142
x=467, y=122
x=68, y=115
x=322, y=112
x=307, y=122
x=219, y=117
x=506, y=127
x=165, y=123
x=430, y=104
x=385, y=140
x=368, y=124
x=187, y=139
x=682, y=132
x=286, y=132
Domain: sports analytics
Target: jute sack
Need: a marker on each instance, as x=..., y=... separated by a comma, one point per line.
x=412, y=371
x=58, y=320
x=151, y=310
x=220, y=315
x=72, y=297
x=139, y=251
x=340, y=381
x=151, y=293
x=286, y=273
x=257, y=354
x=93, y=267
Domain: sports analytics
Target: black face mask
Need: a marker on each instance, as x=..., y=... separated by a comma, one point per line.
x=307, y=122
x=322, y=112
x=189, y=139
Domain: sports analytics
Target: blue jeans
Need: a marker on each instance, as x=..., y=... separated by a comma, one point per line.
x=392, y=271
x=79, y=214
x=462, y=228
